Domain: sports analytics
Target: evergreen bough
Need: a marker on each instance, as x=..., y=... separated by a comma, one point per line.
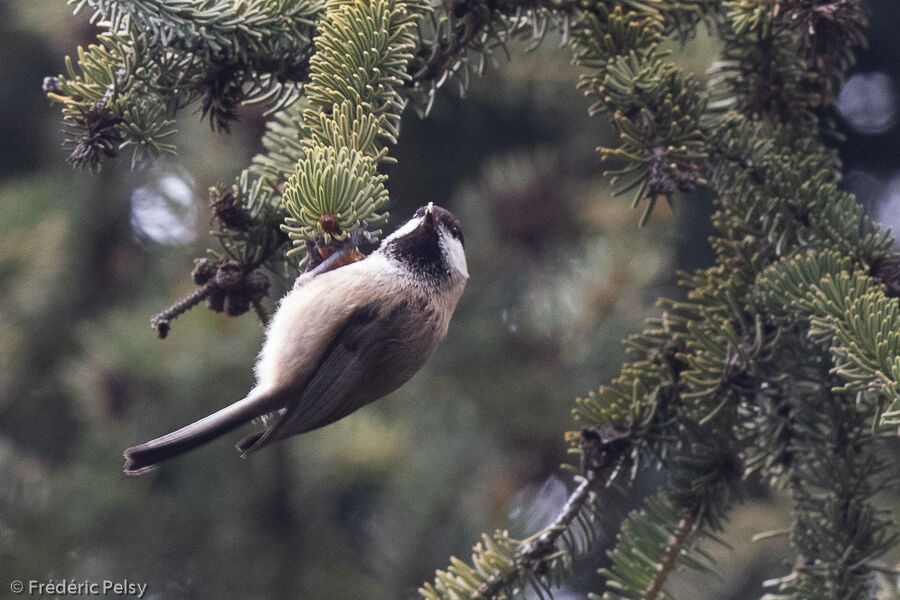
x=784, y=360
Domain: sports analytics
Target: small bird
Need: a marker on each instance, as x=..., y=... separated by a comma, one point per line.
x=341, y=339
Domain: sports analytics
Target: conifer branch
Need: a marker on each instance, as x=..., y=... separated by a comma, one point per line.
x=849, y=314
x=261, y=313
x=161, y=321
x=670, y=556
x=658, y=536
x=156, y=57
x=225, y=286
x=778, y=194
x=784, y=360
x=503, y=567
x=656, y=109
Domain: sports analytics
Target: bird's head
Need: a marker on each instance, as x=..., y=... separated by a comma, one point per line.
x=429, y=246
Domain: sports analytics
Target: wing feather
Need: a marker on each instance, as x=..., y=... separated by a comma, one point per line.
x=344, y=379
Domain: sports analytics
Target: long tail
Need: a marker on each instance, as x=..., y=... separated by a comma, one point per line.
x=143, y=458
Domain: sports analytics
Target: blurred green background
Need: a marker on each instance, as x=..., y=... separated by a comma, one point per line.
x=370, y=506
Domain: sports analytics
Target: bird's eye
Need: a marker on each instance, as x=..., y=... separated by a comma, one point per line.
x=456, y=232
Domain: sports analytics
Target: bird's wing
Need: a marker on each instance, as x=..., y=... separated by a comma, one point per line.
x=342, y=382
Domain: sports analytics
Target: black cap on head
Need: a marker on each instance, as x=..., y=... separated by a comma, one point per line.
x=420, y=249
x=442, y=216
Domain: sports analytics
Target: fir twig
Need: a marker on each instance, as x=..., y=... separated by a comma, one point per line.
x=784, y=359
x=161, y=321
x=670, y=556
x=261, y=313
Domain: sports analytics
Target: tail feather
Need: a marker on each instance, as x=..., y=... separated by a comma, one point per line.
x=143, y=458
x=248, y=444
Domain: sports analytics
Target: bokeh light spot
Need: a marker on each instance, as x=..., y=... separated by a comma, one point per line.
x=164, y=210
x=868, y=103
x=888, y=209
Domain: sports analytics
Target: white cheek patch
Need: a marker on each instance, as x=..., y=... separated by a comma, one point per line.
x=405, y=229
x=456, y=255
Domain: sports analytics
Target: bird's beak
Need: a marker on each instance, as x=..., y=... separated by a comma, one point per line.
x=429, y=215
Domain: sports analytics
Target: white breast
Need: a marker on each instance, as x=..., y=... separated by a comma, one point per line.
x=308, y=316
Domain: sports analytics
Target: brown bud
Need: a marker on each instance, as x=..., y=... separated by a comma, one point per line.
x=216, y=300
x=236, y=303
x=256, y=284
x=204, y=270
x=229, y=277
x=329, y=224
x=227, y=210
